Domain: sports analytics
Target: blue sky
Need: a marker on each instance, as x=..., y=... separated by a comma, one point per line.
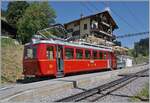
x=134, y=15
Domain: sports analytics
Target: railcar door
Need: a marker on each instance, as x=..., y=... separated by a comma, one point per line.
x=110, y=60
x=60, y=61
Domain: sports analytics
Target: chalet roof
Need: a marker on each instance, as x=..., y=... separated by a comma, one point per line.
x=104, y=12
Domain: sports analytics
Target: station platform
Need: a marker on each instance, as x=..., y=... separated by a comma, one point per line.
x=23, y=92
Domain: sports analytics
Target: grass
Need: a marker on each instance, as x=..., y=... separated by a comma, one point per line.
x=11, y=56
x=143, y=95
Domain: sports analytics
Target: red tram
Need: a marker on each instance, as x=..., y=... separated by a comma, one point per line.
x=55, y=58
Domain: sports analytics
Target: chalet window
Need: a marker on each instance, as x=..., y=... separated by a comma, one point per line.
x=100, y=55
x=94, y=54
x=85, y=26
x=79, y=54
x=50, y=53
x=76, y=24
x=87, y=54
x=76, y=33
x=94, y=25
x=70, y=30
x=69, y=53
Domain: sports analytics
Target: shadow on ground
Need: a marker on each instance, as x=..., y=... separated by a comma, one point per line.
x=38, y=79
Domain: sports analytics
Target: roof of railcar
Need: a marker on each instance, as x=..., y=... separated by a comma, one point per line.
x=104, y=48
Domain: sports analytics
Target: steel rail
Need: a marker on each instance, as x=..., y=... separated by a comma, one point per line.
x=93, y=91
x=119, y=86
x=102, y=94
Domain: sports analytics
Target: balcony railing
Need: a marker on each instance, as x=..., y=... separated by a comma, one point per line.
x=101, y=32
x=104, y=23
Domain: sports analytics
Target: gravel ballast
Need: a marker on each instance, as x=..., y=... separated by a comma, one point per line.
x=121, y=95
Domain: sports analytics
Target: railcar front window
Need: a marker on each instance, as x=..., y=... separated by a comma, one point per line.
x=30, y=53
x=34, y=52
x=69, y=54
x=79, y=54
x=50, y=53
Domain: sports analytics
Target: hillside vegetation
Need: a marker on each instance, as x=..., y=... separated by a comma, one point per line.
x=140, y=52
x=11, y=56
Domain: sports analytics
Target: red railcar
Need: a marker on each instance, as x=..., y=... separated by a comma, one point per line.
x=55, y=58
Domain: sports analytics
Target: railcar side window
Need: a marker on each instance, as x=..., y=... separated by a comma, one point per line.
x=79, y=54
x=69, y=53
x=100, y=55
x=50, y=53
x=94, y=54
x=30, y=52
x=104, y=55
x=87, y=54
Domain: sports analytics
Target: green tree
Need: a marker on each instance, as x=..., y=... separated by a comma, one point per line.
x=15, y=11
x=3, y=13
x=142, y=47
x=36, y=17
x=131, y=52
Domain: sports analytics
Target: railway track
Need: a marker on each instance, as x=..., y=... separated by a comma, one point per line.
x=96, y=93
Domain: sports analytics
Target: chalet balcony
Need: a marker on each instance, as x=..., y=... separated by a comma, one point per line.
x=99, y=41
x=100, y=32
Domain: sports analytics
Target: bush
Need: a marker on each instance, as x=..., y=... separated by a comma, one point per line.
x=6, y=41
